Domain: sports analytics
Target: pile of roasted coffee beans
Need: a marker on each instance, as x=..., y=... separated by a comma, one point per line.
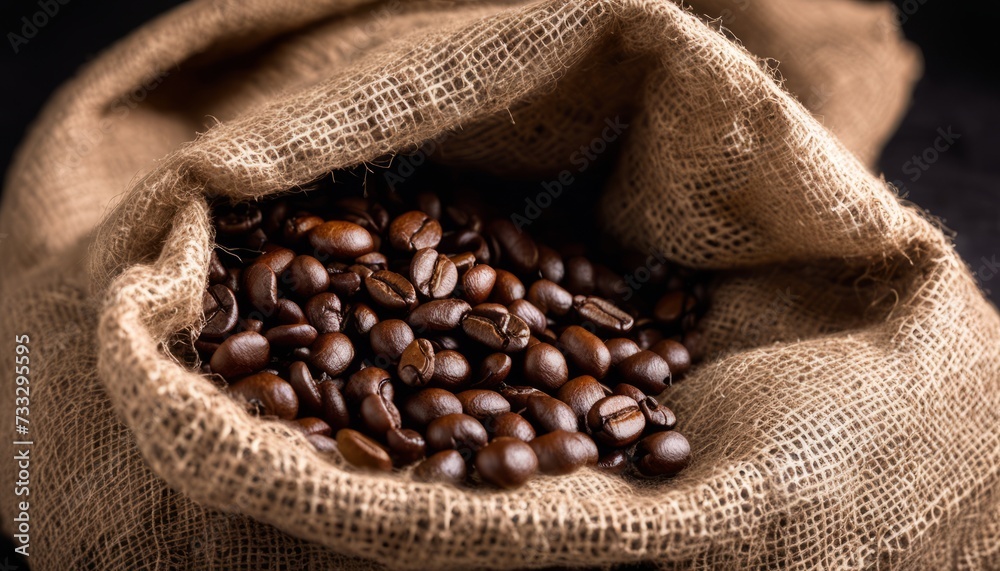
x=407, y=331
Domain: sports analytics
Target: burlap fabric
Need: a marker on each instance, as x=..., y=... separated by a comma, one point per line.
x=847, y=415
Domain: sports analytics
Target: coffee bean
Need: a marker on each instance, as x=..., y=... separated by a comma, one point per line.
x=220, y=310
x=451, y=369
x=340, y=239
x=672, y=306
x=390, y=338
x=276, y=258
x=391, y=290
x=616, y=421
x=362, y=451
x=562, y=452
x=323, y=444
x=463, y=218
x=217, y=273
x=379, y=414
x=545, y=367
x=428, y=404
x=550, y=297
x=477, y=284
x=429, y=204
x=547, y=414
x=241, y=354
x=579, y=276
x=446, y=466
x=580, y=394
x=614, y=462
x=305, y=388
x=406, y=445
x=325, y=313
x=456, y=431
x=510, y=424
x=518, y=396
x=620, y=349
x=631, y=391
x=261, y=287
x=482, y=404
x=374, y=261
x=493, y=370
x=445, y=343
x=333, y=405
x=586, y=351
x=550, y=264
x=463, y=262
x=360, y=320
x=467, y=241
x=439, y=315
x=234, y=280
x=531, y=315
x=416, y=365
x=507, y=288
x=331, y=353
x=602, y=313
x=492, y=325
x=646, y=370
x=658, y=417
x=271, y=394
x=506, y=463
x=413, y=231
x=287, y=312
x=297, y=335
x=254, y=325
x=676, y=355
x=662, y=454
x=343, y=281
x=309, y=425
x=647, y=337
x=241, y=219
x=433, y=274
x=306, y=276
x=296, y=228
x=369, y=381
x=517, y=246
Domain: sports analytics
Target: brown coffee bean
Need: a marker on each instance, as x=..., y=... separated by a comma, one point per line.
x=562, y=452
x=220, y=311
x=340, y=239
x=646, y=370
x=662, y=454
x=482, y=404
x=457, y=432
x=360, y=320
x=647, y=337
x=390, y=338
x=374, y=261
x=467, y=241
x=518, y=396
x=433, y=274
x=325, y=313
x=310, y=400
x=416, y=365
x=545, y=367
x=507, y=288
x=333, y=406
x=331, y=353
x=446, y=466
x=579, y=276
x=547, y=414
x=391, y=290
x=616, y=421
x=439, y=315
x=463, y=262
x=309, y=425
x=217, y=273
x=493, y=370
x=586, y=351
x=323, y=444
x=506, y=463
x=631, y=391
x=510, y=424
x=234, y=280
x=451, y=369
x=362, y=451
x=550, y=264
x=602, y=313
x=492, y=325
x=298, y=335
x=261, y=287
x=379, y=415
x=296, y=228
x=343, y=281
x=620, y=349
x=240, y=219
x=658, y=417
x=406, y=445
x=306, y=276
x=445, y=343
x=477, y=284
x=530, y=314
x=428, y=404
x=241, y=354
x=414, y=231
x=271, y=394
x=369, y=381
x=550, y=297
x=672, y=306
x=254, y=325
x=676, y=355
x=287, y=312
x=276, y=258
x=517, y=246
x=580, y=394
x=614, y=462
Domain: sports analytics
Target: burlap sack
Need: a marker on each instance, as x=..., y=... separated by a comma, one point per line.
x=847, y=415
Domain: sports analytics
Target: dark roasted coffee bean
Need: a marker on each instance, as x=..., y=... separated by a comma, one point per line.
x=507, y=288
x=241, y=354
x=306, y=276
x=607, y=283
x=220, y=310
x=438, y=315
x=658, y=417
x=309, y=425
x=445, y=343
x=463, y=218
x=390, y=338
x=451, y=369
x=429, y=204
x=379, y=415
x=545, y=367
x=271, y=394
x=510, y=424
x=457, y=432
x=343, y=281
x=492, y=325
x=446, y=466
x=362, y=451
x=672, y=306
x=631, y=391
x=531, y=315
x=276, y=258
x=463, y=262
x=518, y=396
x=305, y=388
x=547, y=414
x=550, y=264
x=334, y=406
x=562, y=452
x=297, y=227
x=550, y=297
x=206, y=349
x=331, y=353
x=467, y=241
x=325, y=313
x=261, y=287
x=369, y=381
x=406, y=445
x=620, y=349
x=580, y=394
x=287, y=312
x=676, y=355
x=646, y=370
x=493, y=370
x=391, y=290
x=234, y=280
x=429, y=404
x=482, y=404
x=616, y=421
x=297, y=335
x=275, y=214
x=323, y=444
x=579, y=276
x=342, y=240
x=506, y=463
x=647, y=337
x=254, y=325
x=477, y=284
x=517, y=246
x=360, y=320
x=602, y=313
x=433, y=274
x=416, y=365
x=217, y=273
x=662, y=454
x=586, y=351
x=614, y=462
x=374, y=261
x=414, y=231
x=241, y=219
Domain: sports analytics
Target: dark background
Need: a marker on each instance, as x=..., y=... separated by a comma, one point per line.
x=960, y=90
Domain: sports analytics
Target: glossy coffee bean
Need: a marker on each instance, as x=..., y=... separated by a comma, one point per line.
x=620, y=349
x=333, y=405
x=325, y=313
x=446, y=466
x=360, y=320
x=647, y=337
x=510, y=424
x=662, y=454
x=391, y=290
x=297, y=335
x=433, y=274
x=241, y=354
x=217, y=273
x=379, y=414
x=369, y=381
x=309, y=425
x=306, y=277
x=507, y=288
x=374, y=261
x=646, y=370
x=550, y=264
x=602, y=313
x=271, y=394
x=547, y=414
x=672, y=306
x=240, y=219
x=495, y=327
x=428, y=404
x=658, y=417
x=614, y=462
x=406, y=445
x=429, y=204
x=463, y=262
x=451, y=369
x=675, y=354
x=341, y=240
x=545, y=367
x=343, y=281
x=482, y=404
x=390, y=338
x=287, y=312
x=331, y=353
x=518, y=396
x=518, y=248
x=492, y=371
x=506, y=463
x=579, y=276
x=414, y=231
x=277, y=258
x=362, y=451
x=550, y=297
x=416, y=365
x=323, y=444
x=445, y=343
x=261, y=288
x=296, y=228
x=562, y=452
x=531, y=315
x=580, y=394
x=439, y=315
x=220, y=310
x=457, y=432
x=477, y=284
x=310, y=400
x=616, y=421
x=586, y=351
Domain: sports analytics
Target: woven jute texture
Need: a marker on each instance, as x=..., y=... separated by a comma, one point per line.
x=847, y=415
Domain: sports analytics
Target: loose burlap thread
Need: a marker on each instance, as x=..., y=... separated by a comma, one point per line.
x=846, y=415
